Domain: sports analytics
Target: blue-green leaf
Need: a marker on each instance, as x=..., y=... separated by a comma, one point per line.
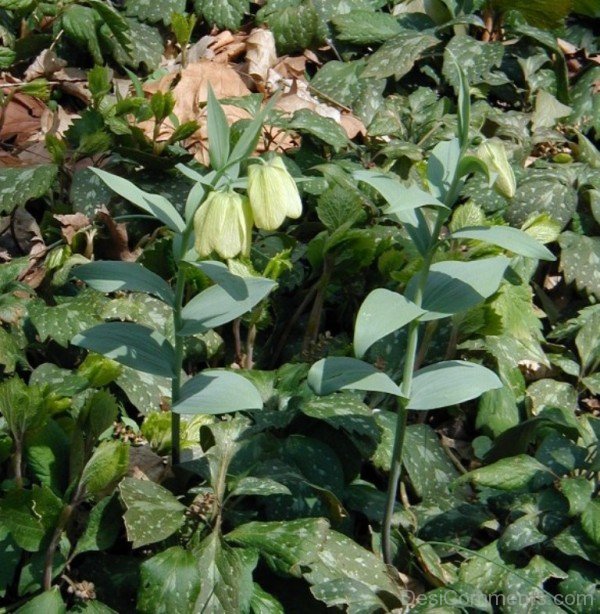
x=130, y=344
x=381, y=313
x=155, y=204
x=222, y=303
x=442, y=166
x=454, y=286
x=218, y=132
x=111, y=276
x=399, y=197
x=450, y=382
x=343, y=373
x=513, y=239
x=217, y=392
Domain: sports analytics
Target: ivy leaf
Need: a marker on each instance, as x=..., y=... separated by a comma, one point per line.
x=224, y=14
x=19, y=185
x=169, y=582
x=153, y=513
x=398, y=55
x=579, y=260
x=154, y=11
x=226, y=574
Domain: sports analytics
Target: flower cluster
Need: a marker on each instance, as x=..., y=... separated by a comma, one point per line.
x=223, y=223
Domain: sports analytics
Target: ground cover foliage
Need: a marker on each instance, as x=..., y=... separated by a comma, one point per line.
x=387, y=401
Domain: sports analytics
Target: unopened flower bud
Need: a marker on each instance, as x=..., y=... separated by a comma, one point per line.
x=223, y=224
x=493, y=153
x=273, y=194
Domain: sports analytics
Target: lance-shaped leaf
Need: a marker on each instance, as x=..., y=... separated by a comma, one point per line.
x=343, y=373
x=450, y=382
x=512, y=239
x=155, y=204
x=223, y=303
x=217, y=392
x=130, y=344
x=381, y=313
x=111, y=276
x=454, y=286
x=233, y=284
x=442, y=167
x=399, y=197
x=218, y=132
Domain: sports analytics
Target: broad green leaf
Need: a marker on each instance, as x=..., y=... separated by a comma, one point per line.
x=218, y=132
x=512, y=239
x=145, y=391
x=485, y=569
x=217, y=392
x=224, y=14
x=21, y=406
x=108, y=465
x=156, y=205
x=442, y=167
x=590, y=520
x=539, y=195
x=579, y=259
x=146, y=46
x=454, y=286
x=398, y=55
x=538, y=13
x=226, y=576
x=588, y=342
x=358, y=596
x=112, y=276
x=450, y=382
x=49, y=602
x=339, y=556
x=508, y=474
x=154, y=11
x=47, y=455
x=547, y=392
x=380, y=314
x=324, y=128
x=131, y=345
x=102, y=528
x=153, y=513
x=81, y=25
x=295, y=24
x=289, y=544
x=340, y=80
x=220, y=304
x=522, y=533
x=365, y=27
x=343, y=373
x=169, y=582
x=30, y=515
x=20, y=184
x=430, y=470
x=264, y=603
x=68, y=317
x=114, y=22
x=11, y=354
x=587, y=7
x=578, y=492
x=259, y=486
x=476, y=59
x=548, y=110
x=10, y=555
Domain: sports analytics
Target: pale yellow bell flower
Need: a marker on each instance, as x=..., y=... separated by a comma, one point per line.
x=273, y=194
x=493, y=153
x=223, y=224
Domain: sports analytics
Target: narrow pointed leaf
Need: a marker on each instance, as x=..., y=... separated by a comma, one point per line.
x=130, y=344
x=217, y=392
x=450, y=382
x=218, y=132
x=109, y=276
x=341, y=373
x=512, y=239
x=454, y=286
x=234, y=285
x=399, y=197
x=155, y=204
x=442, y=166
x=381, y=313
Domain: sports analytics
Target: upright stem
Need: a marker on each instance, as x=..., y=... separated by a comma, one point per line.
x=178, y=365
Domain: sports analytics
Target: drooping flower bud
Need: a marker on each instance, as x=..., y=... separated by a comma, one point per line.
x=493, y=153
x=223, y=224
x=273, y=194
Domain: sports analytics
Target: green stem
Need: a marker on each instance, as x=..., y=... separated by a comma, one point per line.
x=407, y=377
x=178, y=364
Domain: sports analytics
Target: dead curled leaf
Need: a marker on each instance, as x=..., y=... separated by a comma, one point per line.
x=115, y=246
x=71, y=224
